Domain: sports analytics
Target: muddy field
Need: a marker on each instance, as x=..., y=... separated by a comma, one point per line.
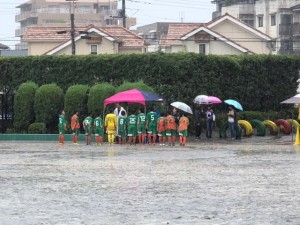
x=224, y=182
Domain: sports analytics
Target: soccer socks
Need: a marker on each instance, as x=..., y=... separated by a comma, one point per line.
x=184, y=140
x=173, y=139
x=101, y=139
x=140, y=138
x=181, y=139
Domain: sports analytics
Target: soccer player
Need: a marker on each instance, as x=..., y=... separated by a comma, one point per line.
x=132, y=131
x=75, y=126
x=141, y=126
x=183, y=126
x=171, y=129
x=151, y=125
x=87, y=125
x=98, y=128
x=161, y=129
x=111, y=125
x=122, y=123
x=62, y=127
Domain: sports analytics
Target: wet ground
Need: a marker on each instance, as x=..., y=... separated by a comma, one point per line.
x=253, y=181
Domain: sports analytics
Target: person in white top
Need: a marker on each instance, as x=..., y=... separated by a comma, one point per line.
x=117, y=112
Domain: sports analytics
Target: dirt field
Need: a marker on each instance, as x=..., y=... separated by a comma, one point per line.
x=253, y=181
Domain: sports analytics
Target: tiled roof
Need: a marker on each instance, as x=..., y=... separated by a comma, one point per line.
x=49, y=34
x=2, y=46
x=176, y=31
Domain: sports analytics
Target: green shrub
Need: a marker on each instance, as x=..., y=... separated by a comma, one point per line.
x=37, y=128
x=10, y=131
x=98, y=93
x=24, y=106
x=76, y=101
x=48, y=103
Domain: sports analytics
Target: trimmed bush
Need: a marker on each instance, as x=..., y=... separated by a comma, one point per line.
x=98, y=93
x=24, y=106
x=138, y=85
x=76, y=101
x=48, y=103
x=37, y=128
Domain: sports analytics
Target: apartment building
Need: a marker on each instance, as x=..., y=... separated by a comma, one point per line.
x=280, y=19
x=57, y=13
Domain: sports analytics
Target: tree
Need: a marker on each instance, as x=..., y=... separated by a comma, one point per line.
x=48, y=103
x=24, y=106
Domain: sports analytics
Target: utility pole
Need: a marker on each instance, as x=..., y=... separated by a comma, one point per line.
x=72, y=17
x=124, y=13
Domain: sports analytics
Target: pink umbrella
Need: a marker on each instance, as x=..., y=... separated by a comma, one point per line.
x=213, y=100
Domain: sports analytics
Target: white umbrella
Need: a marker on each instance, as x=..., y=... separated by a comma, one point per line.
x=182, y=106
x=200, y=99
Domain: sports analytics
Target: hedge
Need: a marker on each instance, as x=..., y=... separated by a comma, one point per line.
x=24, y=106
x=98, y=93
x=37, y=128
x=76, y=101
x=259, y=82
x=48, y=103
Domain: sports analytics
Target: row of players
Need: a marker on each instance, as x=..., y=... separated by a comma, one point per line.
x=134, y=126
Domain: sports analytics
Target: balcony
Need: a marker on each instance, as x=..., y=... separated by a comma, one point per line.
x=20, y=32
x=285, y=29
x=24, y=16
x=296, y=29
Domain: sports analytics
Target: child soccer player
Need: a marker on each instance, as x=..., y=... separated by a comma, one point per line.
x=183, y=126
x=62, y=127
x=111, y=125
x=87, y=125
x=98, y=126
x=151, y=125
x=122, y=127
x=132, y=131
x=161, y=129
x=171, y=129
x=141, y=126
x=75, y=126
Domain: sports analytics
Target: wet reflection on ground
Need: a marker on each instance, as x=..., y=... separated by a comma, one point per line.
x=204, y=183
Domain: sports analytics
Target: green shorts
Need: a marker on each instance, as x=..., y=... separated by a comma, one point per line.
x=76, y=131
x=161, y=134
x=141, y=129
x=122, y=133
x=98, y=132
x=132, y=131
x=88, y=131
x=61, y=131
x=170, y=132
x=152, y=129
x=183, y=133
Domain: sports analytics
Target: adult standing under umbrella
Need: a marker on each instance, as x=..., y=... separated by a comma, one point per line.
x=198, y=115
x=232, y=121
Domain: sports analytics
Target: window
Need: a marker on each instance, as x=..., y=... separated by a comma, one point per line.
x=260, y=21
x=273, y=20
x=202, y=48
x=94, y=49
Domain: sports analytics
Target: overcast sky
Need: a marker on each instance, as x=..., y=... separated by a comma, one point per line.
x=146, y=11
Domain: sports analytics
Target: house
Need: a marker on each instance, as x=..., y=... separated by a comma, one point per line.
x=279, y=19
x=225, y=35
x=57, y=13
x=88, y=40
x=153, y=32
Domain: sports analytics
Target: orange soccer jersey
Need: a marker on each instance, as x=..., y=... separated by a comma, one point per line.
x=75, y=122
x=171, y=125
x=161, y=125
x=183, y=123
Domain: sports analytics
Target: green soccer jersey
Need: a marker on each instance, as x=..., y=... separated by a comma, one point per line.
x=88, y=121
x=132, y=120
x=121, y=123
x=152, y=118
x=61, y=122
x=98, y=123
x=141, y=118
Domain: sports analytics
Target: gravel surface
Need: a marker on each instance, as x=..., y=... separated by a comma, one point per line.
x=252, y=181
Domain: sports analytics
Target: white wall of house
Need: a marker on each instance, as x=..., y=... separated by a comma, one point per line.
x=243, y=37
x=83, y=48
x=131, y=50
x=212, y=47
x=39, y=48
